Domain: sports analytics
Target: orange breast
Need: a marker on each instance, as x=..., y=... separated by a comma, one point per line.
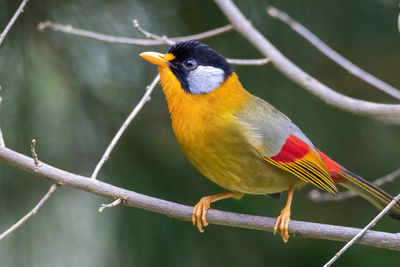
x=199, y=118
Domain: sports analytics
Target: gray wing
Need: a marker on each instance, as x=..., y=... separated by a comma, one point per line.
x=268, y=127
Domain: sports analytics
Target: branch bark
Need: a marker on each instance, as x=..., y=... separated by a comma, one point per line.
x=183, y=212
x=297, y=75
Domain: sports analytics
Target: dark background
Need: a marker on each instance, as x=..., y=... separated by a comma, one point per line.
x=72, y=94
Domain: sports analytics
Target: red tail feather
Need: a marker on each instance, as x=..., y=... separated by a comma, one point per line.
x=335, y=169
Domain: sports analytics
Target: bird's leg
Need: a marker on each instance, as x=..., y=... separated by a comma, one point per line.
x=199, y=214
x=283, y=220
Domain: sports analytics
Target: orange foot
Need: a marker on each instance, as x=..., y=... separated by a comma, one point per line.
x=283, y=223
x=199, y=214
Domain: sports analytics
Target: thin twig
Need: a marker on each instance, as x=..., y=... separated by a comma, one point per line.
x=363, y=231
x=329, y=52
x=138, y=107
x=183, y=212
x=318, y=196
x=31, y=213
x=290, y=70
x=2, y=143
x=112, y=204
x=126, y=40
x=13, y=19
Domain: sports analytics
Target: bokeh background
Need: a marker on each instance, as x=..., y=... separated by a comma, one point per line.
x=72, y=94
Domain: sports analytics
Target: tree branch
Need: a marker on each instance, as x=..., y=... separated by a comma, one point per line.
x=144, y=100
x=31, y=213
x=329, y=52
x=183, y=212
x=294, y=73
x=318, y=196
x=13, y=19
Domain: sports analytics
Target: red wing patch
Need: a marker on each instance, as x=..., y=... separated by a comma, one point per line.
x=298, y=158
x=294, y=148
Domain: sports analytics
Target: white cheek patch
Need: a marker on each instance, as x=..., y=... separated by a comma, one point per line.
x=204, y=79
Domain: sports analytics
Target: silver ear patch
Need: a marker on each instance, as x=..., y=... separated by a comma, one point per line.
x=204, y=79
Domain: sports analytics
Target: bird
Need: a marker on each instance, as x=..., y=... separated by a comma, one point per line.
x=241, y=142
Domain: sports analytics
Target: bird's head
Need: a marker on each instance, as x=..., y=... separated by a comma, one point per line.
x=198, y=68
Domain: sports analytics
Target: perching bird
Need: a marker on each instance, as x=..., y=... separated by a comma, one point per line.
x=241, y=142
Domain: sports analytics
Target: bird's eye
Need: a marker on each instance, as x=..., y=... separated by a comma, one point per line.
x=190, y=64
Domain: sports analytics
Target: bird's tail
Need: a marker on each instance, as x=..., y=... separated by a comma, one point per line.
x=360, y=186
x=370, y=192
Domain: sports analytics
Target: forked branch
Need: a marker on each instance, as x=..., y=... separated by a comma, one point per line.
x=332, y=54
x=126, y=40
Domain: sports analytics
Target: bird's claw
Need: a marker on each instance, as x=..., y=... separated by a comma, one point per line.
x=282, y=222
x=199, y=214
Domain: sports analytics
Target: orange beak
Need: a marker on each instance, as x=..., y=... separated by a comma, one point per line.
x=155, y=58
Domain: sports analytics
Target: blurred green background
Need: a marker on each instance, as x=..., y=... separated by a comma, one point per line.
x=72, y=94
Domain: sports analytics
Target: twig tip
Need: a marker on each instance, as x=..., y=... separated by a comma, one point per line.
x=272, y=11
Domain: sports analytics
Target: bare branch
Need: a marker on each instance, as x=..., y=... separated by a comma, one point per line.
x=294, y=73
x=318, y=196
x=145, y=98
x=13, y=19
x=31, y=213
x=329, y=52
x=112, y=204
x=364, y=230
x=126, y=40
x=2, y=143
x=183, y=212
